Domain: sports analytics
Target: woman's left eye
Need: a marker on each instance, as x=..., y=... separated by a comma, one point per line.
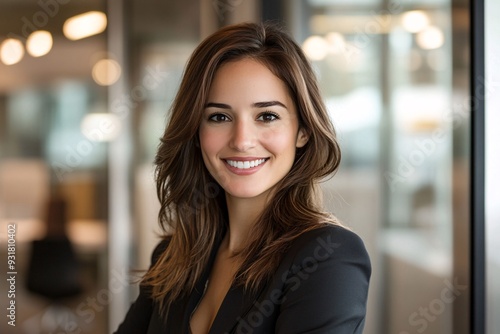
x=268, y=117
x=218, y=118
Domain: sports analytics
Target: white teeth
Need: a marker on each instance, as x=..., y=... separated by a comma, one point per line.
x=245, y=164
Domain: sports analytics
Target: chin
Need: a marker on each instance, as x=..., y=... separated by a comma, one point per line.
x=248, y=191
x=244, y=194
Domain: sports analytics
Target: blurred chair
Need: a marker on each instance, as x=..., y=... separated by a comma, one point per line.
x=53, y=270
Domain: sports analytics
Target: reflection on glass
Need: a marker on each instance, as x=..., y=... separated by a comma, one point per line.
x=101, y=127
x=388, y=76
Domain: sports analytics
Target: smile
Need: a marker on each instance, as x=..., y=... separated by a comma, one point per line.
x=245, y=164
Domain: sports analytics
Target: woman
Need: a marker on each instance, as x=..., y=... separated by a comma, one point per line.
x=237, y=169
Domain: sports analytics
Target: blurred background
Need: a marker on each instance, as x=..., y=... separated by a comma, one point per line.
x=85, y=88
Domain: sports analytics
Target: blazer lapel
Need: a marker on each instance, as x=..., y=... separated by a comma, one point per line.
x=238, y=302
x=233, y=308
x=181, y=310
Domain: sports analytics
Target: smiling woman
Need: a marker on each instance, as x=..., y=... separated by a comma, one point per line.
x=258, y=125
x=258, y=255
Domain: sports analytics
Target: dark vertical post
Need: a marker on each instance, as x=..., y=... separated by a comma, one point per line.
x=477, y=169
x=272, y=10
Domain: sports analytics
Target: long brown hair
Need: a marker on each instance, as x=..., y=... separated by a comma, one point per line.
x=193, y=205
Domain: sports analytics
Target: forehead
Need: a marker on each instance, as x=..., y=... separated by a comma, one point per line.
x=247, y=79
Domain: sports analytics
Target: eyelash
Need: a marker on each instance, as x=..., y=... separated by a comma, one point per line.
x=211, y=117
x=269, y=113
x=266, y=113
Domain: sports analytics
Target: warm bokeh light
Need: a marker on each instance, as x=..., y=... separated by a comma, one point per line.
x=39, y=43
x=315, y=47
x=336, y=42
x=101, y=127
x=430, y=38
x=415, y=20
x=85, y=25
x=11, y=51
x=106, y=72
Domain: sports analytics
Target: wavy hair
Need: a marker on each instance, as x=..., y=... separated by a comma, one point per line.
x=193, y=207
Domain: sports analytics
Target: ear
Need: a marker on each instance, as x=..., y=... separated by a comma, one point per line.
x=302, y=138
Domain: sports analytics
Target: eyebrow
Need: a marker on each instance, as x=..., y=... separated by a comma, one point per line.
x=268, y=104
x=264, y=104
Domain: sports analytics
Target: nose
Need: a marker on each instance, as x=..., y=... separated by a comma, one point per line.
x=243, y=136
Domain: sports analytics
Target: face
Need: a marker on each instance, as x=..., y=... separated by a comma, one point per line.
x=250, y=129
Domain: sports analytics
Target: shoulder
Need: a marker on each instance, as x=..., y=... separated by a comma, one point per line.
x=330, y=243
x=323, y=278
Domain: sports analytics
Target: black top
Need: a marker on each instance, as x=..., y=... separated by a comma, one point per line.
x=320, y=286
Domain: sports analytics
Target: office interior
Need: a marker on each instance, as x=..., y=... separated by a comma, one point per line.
x=85, y=89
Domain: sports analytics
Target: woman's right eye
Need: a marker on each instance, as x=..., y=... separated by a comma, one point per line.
x=218, y=118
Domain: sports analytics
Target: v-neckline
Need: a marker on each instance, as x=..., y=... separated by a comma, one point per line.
x=197, y=294
x=220, y=255
x=235, y=303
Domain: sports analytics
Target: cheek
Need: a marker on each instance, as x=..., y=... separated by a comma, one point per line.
x=280, y=142
x=209, y=141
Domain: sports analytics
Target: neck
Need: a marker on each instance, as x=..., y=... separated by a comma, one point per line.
x=243, y=214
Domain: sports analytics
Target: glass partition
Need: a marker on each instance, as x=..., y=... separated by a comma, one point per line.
x=395, y=79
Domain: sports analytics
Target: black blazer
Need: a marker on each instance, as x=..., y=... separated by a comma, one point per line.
x=321, y=286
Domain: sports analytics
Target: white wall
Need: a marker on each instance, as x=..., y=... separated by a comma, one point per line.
x=492, y=70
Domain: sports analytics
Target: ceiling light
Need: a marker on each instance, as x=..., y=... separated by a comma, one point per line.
x=336, y=42
x=415, y=20
x=39, y=43
x=315, y=47
x=85, y=25
x=106, y=72
x=11, y=51
x=430, y=38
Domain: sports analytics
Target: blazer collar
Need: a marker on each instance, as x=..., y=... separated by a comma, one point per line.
x=234, y=307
